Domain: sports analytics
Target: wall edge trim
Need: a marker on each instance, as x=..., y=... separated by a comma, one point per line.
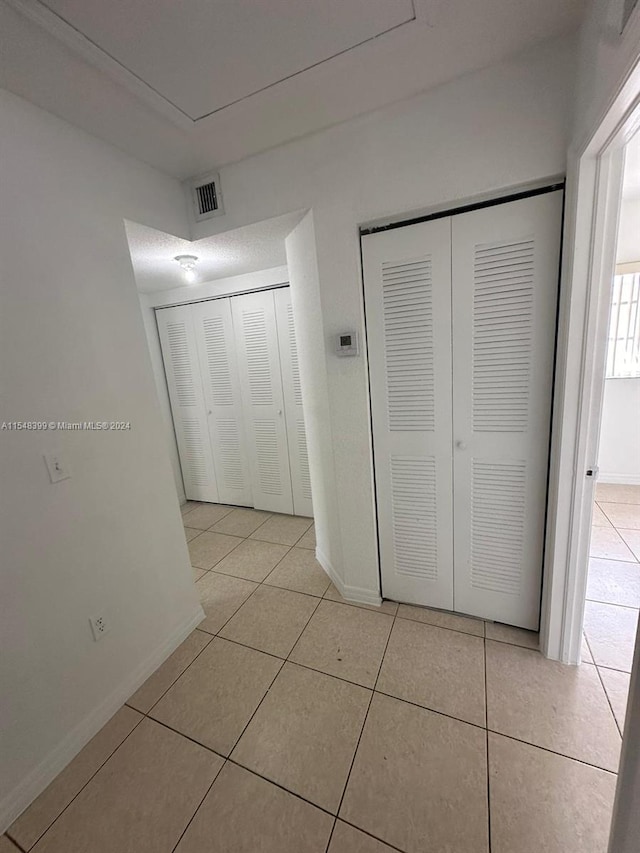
x=357, y=594
x=619, y=479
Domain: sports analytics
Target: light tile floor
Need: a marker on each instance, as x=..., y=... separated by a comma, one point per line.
x=293, y=722
x=613, y=589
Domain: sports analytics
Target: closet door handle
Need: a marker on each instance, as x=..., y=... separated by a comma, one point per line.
x=461, y=445
x=280, y=411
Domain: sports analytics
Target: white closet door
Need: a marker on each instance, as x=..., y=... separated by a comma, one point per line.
x=221, y=383
x=407, y=278
x=296, y=436
x=182, y=369
x=254, y=324
x=505, y=275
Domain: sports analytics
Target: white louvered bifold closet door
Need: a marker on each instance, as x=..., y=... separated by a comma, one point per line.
x=254, y=324
x=182, y=370
x=505, y=273
x=407, y=276
x=292, y=390
x=221, y=383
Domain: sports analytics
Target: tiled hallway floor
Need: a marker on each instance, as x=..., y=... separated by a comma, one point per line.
x=292, y=722
x=613, y=589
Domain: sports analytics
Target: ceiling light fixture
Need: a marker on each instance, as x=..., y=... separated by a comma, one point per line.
x=188, y=264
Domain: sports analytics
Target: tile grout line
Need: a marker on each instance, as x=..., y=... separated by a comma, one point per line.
x=314, y=805
x=612, y=559
x=192, y=818
x=615, y=719
x=431, y=710
x=206, y=645
x=237, y=763
x=217, y=635
x=605, y=515
x=395, y=616
x=222, y=627
x=390, y=696
x=249, y=539
x=586, y=639
x=206, y=529
x=486, y=726
x=93, y=775
x=306, y=624
x=443, y=627
x=223, y=533
x=244, y=538
x=366, y=715
x=19, y=846
x=227, y=759
x=553, y=752
x=610, y=668
x=389, y=844
x=258, y=583
x=239, y=577
x=333, y=829
x=240, y=539
x=614, y=604
x=287, y=659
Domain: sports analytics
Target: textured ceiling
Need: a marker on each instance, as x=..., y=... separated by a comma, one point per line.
x=253, y=247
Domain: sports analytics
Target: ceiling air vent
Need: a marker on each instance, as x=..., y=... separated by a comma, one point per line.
x=206, y=197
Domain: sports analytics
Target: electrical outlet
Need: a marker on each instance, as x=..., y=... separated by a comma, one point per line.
x=99, y=626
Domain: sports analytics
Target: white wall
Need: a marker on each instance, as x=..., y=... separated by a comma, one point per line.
x=619, y=451
x=178, y=296
x=484, y=132
x=307, y=310
x=628, y=246
x=109, y=540
x=619, y=447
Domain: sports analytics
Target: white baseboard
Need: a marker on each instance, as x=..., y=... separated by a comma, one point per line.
x=34, y=784
x=619, y=479
x=357, y=594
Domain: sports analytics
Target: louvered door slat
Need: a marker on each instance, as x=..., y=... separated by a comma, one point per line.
x=254, y=324
x=505, y=271
x=407, y=278
x=220, y=380
x=292, y=391
x=414, y=516
x=182, y=369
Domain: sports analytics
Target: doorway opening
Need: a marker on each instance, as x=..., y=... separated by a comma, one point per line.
x=225, y=352
x=613, y=584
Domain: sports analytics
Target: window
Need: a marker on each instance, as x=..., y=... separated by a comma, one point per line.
x=623, y=351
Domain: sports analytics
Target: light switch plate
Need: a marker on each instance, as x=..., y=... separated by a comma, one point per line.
x=56, y=467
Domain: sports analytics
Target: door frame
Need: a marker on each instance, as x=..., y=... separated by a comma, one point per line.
x=594, y=187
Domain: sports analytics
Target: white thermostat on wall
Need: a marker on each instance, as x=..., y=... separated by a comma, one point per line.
x=347, y=343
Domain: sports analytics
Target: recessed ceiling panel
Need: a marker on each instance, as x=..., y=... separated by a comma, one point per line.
x=203, y=55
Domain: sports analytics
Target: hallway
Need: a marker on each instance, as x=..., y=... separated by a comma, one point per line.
x=293, y=722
